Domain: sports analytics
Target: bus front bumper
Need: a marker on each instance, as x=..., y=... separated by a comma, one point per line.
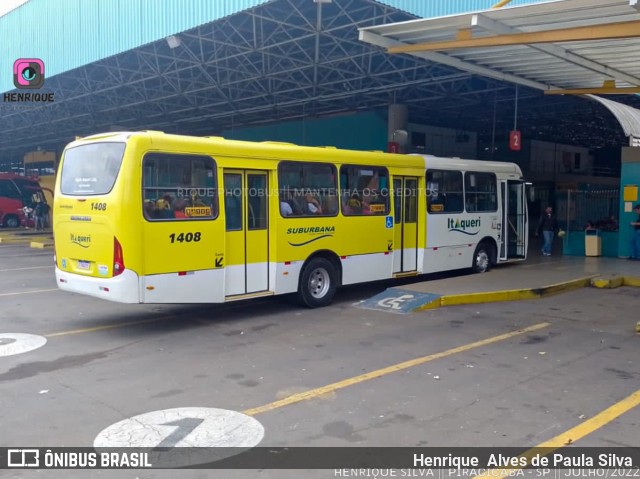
x=122, y=289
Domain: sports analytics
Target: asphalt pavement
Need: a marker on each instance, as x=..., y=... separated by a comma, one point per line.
x=518, y=373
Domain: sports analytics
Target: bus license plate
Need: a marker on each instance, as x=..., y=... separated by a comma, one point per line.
x=84, y=264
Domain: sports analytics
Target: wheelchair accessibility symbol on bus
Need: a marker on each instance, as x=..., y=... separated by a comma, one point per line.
x=389, y=221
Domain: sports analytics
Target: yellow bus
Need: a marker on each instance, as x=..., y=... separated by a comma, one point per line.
x=148, y=217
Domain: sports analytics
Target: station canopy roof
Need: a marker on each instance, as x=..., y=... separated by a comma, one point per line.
x=289, y=60
x=558, y=47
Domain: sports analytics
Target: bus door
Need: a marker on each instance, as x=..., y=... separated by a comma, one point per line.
x=405, y=251
x=514, y=234
x=247, y=242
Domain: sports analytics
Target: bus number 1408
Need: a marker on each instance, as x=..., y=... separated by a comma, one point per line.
x=185, y=237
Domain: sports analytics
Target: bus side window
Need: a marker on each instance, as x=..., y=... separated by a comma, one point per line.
x=445, y=191
x=233, y=201
x=308, y=188
x=454, y=203
x=480, y=192
x=364, y=190
x=257, y=201
x=178, y=187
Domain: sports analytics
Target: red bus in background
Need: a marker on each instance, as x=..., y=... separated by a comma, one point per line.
x=16, y=192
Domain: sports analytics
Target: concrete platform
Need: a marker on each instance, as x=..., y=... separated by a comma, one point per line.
x=36, y=239
x=539, y=276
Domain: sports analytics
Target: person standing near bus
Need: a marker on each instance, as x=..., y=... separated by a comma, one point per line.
x=38, y=213
x=548, y=225
x=635, y=239
x=27, y=210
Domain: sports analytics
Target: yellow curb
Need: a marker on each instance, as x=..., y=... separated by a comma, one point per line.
x=42, y=244
x=13, y=239
x=435, y=304
x=488, y=297
x=631, y=281
x=507, y=295
x=607, y=283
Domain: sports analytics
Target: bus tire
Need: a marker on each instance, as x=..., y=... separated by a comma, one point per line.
x=11, y=221
x=318, y=283
x=482, y=258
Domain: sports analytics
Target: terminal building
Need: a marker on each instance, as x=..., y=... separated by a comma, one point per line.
x=550, y=85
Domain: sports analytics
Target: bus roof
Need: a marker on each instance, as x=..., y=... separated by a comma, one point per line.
x=290, y=151
x=265, y=149
x=436, y=162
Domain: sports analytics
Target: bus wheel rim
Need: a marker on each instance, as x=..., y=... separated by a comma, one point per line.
x=482, y=261
x=319, y=282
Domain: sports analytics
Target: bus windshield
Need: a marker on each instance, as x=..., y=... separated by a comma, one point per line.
x=91, y=169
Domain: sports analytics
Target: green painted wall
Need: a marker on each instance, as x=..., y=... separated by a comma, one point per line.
x=360, y=131
x=573, y=243
x=629, y=175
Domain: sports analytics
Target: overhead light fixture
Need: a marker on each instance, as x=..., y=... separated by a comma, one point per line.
x=173, y=41
x=322, y=1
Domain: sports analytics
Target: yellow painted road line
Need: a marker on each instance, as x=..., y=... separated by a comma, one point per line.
x=314, y=393
x=29, y=292
x=596, y=422
x=133, y=323
x=22, y=269
x=106, y=327
x=574, y=434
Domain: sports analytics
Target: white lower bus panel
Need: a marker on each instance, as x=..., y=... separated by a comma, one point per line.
x=123, y=288
x=203, y=286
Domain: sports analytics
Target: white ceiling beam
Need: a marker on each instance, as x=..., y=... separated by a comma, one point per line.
x=494, y=26
x=384, y=42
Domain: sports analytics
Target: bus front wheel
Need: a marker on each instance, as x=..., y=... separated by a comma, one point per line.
x=482, y=258
x=318, y=283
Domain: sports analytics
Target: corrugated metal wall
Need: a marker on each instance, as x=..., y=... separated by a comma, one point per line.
x=67, y=34
x=437, y=8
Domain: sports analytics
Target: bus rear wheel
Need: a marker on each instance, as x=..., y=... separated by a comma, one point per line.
x=482, y=258
x=318, y=283
x=11, y=221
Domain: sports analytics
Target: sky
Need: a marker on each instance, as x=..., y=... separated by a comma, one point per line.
x=7, y=5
